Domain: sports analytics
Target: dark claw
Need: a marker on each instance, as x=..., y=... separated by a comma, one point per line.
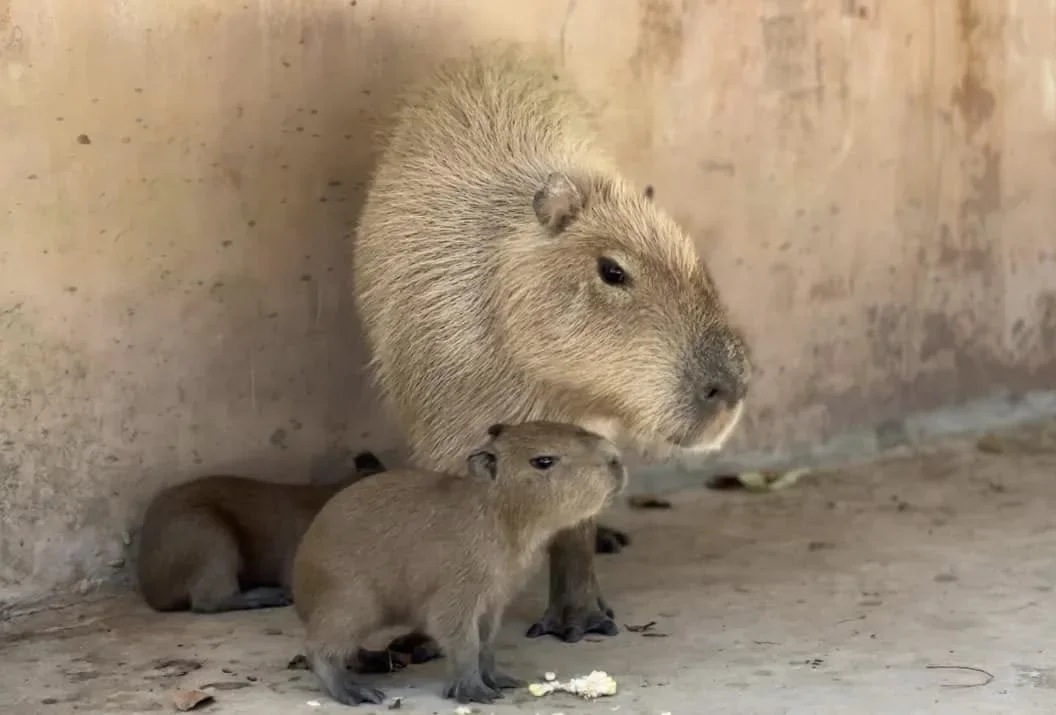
x=471, y=691
x=357, y=694
x=343, y=687
x=500, y=681
x=610, y=541
x=570, y=625
x=419, y=647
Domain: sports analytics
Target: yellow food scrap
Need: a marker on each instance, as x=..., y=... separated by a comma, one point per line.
x=595, y=685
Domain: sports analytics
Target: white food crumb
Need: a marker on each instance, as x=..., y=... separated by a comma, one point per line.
x=314, y=704
x=550, y=676
x=595, y=685
x=463, y=710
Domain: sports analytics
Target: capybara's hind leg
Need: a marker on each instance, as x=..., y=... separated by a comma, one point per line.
x=213, y=587
x=378, y=662
x=419, y=647
x=339, y=682
x=576, y=605
x=610, y=541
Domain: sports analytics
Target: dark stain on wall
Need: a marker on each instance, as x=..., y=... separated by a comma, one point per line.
x=972, y=98
x=660, y=37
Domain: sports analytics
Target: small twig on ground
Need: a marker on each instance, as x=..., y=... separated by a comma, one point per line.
x=989, y=676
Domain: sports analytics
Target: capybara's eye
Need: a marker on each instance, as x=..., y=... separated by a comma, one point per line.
x=542, y=463
x=611, y=272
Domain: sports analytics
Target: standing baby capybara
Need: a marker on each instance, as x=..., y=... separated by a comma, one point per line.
x=445, y=553
x=505, y=270
x=226, y=543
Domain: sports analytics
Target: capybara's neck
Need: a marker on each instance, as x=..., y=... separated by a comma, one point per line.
x=526, y=521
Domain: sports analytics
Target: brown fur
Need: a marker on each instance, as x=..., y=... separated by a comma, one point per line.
x=478, y=276
x=221, y=543
x=445, y=553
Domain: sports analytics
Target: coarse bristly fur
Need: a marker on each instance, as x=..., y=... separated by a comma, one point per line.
x=478, y=276
x=222, y=543
x=445, y=552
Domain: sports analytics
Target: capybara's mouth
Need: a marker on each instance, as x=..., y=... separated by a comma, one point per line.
x=709, y=435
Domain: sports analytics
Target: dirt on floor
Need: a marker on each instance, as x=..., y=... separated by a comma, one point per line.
x=922, y=583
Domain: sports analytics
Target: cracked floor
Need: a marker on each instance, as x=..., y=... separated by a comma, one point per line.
x=919, y=583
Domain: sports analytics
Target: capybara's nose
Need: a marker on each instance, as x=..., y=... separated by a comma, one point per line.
x=722, y=386
x=723, y=392
x=722, y=370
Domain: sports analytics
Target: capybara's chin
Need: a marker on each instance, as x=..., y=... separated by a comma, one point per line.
x=709, y=434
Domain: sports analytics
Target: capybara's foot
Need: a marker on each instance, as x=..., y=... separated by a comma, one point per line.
x=418, y=646
x=358, y=694
x=261, y=597
x=498, y=680
x=610, y=541
x=378, y=662
x=570, y=621
x=340, y=683
x=267, y=597
x=471, y=690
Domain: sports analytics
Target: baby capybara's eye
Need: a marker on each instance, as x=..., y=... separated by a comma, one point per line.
x=543, y=462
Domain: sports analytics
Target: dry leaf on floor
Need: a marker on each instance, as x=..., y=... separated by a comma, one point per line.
x=770, y=481
x=645, y=501
x=185, y=700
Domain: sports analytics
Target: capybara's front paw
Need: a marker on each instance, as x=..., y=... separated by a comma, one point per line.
x=570, y=622
x=471, y=690
x=358, y=695
x=610, y=541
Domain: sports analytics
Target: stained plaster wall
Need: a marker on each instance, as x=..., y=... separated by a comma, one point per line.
x=871, y=183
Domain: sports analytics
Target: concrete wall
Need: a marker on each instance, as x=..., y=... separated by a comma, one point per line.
x=872, y=183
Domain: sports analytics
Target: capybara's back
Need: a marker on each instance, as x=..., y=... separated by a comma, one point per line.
x=506, y=271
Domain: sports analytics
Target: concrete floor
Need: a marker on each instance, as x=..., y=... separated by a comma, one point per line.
x=873, y=589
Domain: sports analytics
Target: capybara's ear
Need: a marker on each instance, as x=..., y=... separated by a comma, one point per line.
x=557, y=202
x=496, y=429
x=367, y=463
x=483, y=464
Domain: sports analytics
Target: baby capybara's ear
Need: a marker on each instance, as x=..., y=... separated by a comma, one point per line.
x=367, y=463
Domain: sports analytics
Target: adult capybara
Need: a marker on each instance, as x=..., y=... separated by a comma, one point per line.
x=505, y=270
x=457, y=548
